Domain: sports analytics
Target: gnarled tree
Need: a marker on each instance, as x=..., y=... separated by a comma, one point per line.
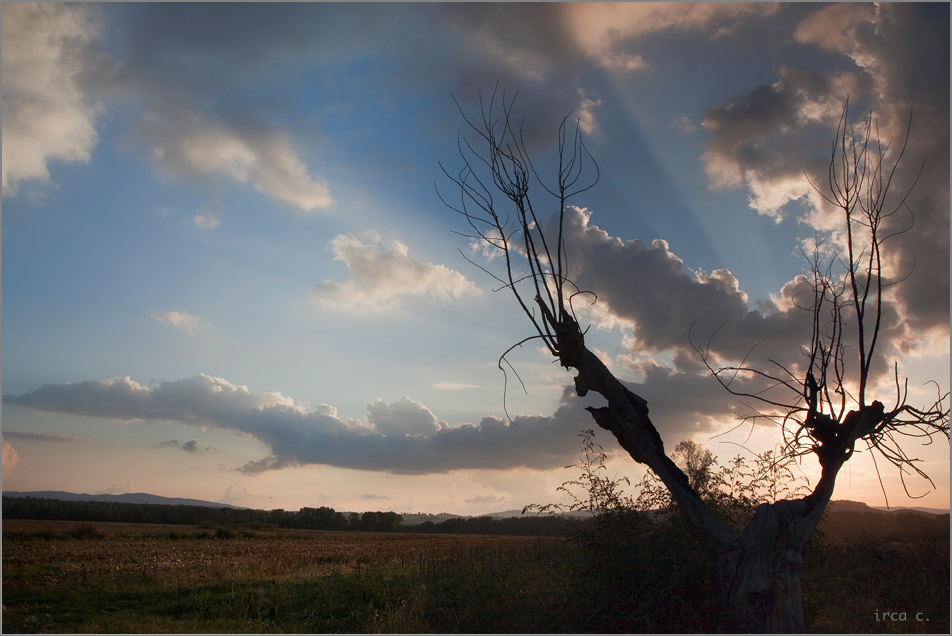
x=827, y=407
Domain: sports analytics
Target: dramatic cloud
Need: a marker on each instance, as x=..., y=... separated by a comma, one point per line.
x=58, y=78
x=670, y=309
x=400, y=437
x=10, y=458
x=182, y=320
x=193, y=96
x=380, y=279
x=767, y=139
x=46, y=114
x=604, y=31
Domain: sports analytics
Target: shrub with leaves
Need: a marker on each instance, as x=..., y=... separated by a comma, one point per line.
x=646, y=571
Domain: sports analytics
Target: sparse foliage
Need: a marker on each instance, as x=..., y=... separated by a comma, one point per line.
x=823, y=405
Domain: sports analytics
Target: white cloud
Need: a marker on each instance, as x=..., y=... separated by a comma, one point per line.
x=10, y=458
x=403, y=417
x=586, y=114
x=684, y=125
x=182, y=320
x=208, y=217
x=194, y=147
x=380, y=279
x=46, y=115
x=453, y=386
x=115, y=489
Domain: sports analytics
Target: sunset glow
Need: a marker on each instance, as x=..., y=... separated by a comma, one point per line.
x=227, y=275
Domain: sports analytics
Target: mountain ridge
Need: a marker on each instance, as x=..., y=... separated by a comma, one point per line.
x=132, y=497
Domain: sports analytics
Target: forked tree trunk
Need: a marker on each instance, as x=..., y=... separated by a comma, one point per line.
x=765, y=594
x=758, y=573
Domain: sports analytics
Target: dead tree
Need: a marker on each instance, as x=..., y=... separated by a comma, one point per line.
x=757, y=573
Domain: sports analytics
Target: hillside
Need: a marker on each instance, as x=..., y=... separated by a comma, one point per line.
x=135, y=497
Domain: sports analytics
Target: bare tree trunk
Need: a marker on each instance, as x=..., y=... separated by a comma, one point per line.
x=758, y=574
x=765, y=595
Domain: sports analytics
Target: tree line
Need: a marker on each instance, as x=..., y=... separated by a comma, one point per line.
x=322, y=518
x=841, y=525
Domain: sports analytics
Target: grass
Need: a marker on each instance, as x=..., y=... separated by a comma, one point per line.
x=59, y=577
x=123, y=578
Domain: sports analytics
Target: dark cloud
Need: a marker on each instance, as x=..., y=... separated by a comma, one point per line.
x=190, y=446
x=671, y=310
x=649, y=288
x=42, y=437
x=402, y=437
x=769, y=137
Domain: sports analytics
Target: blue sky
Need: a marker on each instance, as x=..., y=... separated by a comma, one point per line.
x=227, y=274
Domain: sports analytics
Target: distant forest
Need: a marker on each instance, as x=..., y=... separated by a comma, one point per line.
x=322, y=518
x=837, y=525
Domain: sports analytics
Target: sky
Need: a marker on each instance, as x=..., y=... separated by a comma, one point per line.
x=228, y=274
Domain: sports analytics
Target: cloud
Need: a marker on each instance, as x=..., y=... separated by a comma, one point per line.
x=669, y=309
x=43, y=437
x=201, y=149
x=182, y=320
x=380, y=279
x=647, y=287
x=684, y=125
x=769, y=136
x=209, y=216
x=46, y=114
x=765, y=140
x=453, y=386
x=170, y=84
x=246, y=498
x=115, y=489
x=402, y=437
x=486, y=499
x=190, y=446
x=10, y=458
x=586, y=114
x=607, y=31
x=404, y=417
x=374, y=497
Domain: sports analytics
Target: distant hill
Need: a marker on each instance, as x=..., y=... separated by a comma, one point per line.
x=859, y=506
x=134, y=497
x=415, y=519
